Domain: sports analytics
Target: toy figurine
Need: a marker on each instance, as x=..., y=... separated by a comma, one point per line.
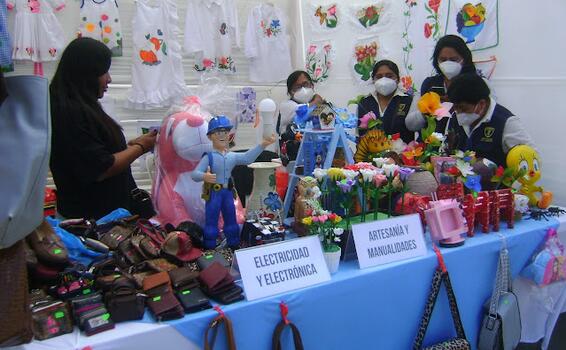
x=525, y=159
x=215, y=169
x=306, y=203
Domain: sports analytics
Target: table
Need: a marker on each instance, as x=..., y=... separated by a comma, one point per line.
x=375, y=308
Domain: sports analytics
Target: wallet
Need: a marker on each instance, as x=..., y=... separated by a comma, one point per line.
x=164, y=306
x=115, y=236
x=98, y=324
x=50, y=318
x=193, y=300
x=183, y=276
x=215, y=277
x=85, y=303
x=208, y=259
x=156, y=280
x=129, y=252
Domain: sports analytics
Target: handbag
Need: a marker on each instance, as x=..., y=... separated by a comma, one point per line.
x=501, y=325
x=24, y=116
x=116, y=235
x=141, y=203
x=458, y=343
x=219, y=320
x=276, y=341
x=123, y=301
x=548, y=263
x=50, y=318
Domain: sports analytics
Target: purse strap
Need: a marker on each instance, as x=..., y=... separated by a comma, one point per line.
x=502, y=284
x=214, y=324
x=440, y=275
x=297, y=340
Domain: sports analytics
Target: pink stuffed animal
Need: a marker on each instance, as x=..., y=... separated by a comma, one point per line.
x=180, y=145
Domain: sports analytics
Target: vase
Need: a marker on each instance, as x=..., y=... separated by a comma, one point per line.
x=422, y=182
x=264, y=184
x=332, y=260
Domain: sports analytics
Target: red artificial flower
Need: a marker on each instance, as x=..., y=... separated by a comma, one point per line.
x=427, y=30
x=434, y=5
x=411, y=161
x=354, y=167
x=453, y=171
x=332, y=217
x=499, y=172
x=396, y=136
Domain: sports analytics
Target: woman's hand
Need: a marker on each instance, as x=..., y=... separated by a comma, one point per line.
x=317, y=100
x=146, y=141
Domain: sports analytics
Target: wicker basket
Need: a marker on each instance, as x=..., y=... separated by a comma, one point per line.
x=422, y=182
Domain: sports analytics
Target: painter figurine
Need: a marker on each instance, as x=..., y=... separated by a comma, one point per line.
x=215, y=169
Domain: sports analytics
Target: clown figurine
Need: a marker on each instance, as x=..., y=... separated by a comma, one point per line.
x=215, y=169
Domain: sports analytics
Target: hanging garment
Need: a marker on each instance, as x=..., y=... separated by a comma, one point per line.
x=100, y=20
x=267, y=44
x=5, y=40
x=157, y=71
x=211, y=29
x=38, y=35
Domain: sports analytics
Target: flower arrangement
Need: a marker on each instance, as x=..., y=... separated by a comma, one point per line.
x=325, y=225
x=365, y=59
x=369, y=16
x=462, y=171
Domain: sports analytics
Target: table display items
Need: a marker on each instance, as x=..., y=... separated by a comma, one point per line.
x=325, y=225
x=214, y=325
x=276, y=340
x=219, y=284
x=262, y=231
x=440, y=276
x=501, y=325
x=215, y=170
x=547, y=265
x=307, y=201
x=264, y=200
x=446, y=222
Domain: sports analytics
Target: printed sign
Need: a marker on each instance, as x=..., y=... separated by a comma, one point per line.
x=385, y=241
x=276, y=268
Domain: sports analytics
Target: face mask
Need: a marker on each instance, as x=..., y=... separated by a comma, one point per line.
x=450, y=69
x=385, y=86
x=303, y=95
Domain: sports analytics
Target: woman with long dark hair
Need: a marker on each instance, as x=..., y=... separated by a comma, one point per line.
x=90, y=159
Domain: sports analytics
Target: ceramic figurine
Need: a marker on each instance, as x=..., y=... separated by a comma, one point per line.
x=523, y=158
x=306, y=202
x=215, y=169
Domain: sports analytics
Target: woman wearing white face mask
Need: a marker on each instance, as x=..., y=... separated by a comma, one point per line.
x=483, y=125
x=387, y=102
x=300, y=89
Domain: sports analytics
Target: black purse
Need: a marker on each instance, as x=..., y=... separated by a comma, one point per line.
x=141, y=204
x=458, y=343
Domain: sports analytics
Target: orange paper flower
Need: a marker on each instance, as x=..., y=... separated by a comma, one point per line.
x=429, y=103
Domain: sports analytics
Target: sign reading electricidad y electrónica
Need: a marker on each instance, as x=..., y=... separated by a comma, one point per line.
x=384, y=241
x=275, y=268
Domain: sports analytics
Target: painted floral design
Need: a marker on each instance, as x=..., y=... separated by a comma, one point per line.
x=407, y=80
x=153, y=45
x=223, y=63
x=319, y=61
x=470, y=21
x=432, y=26
x=365, y=59
x=271, y=30
x=369, y=16
x=327, y=16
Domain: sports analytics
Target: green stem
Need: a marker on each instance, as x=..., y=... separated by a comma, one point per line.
x=376, y=204
x=389, y=203
x=363, y=202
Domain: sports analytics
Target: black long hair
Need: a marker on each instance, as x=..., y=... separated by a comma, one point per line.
x=390, y=64
x=75, y=86
x=456, y=43
x=293, y=77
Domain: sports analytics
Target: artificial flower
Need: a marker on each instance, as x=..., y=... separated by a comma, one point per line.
x=500, y=171
x=335, y=174
x=464, y=168
x=354, y=167
x=443, y=111
x=367, y=174
x=345, y=185
x=320, y=174
x=379, y=179
x=365, y=165
x=338, y=231
x=435, y=139
x=380, y=161
x=350, y=174
x=337, y=239
x=315, y=191
x=453, y=171
x=364, y=121
x=314, y=219
x=390, y=169
x=307, y=221
x=322, y=218
x=473, y=182
x=398, y=145
x=336, y=219
x=429, y=103
x=404, y=173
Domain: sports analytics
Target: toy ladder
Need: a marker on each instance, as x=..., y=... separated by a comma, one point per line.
x=310, y=137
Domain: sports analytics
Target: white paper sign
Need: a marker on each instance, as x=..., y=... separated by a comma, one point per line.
x=281, y=267
x=384, y=241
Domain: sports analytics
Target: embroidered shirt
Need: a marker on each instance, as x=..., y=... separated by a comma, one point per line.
x=267, y=44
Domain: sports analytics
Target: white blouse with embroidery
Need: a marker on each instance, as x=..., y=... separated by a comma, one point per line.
x=267, y=44
x=211, y=29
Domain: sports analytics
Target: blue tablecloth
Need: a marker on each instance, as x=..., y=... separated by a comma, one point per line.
x=380, y=307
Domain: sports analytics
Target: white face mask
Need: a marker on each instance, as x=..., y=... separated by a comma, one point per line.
x=303, y=95
x=466, y=119
x=385, y=86
x=450, y=69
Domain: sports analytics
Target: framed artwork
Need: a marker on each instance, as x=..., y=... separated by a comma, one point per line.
x=440, y=165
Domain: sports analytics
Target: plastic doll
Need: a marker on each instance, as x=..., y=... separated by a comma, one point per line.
x=523, y=158
x=215, y=169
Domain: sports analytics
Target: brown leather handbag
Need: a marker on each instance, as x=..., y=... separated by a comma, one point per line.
x=297, y=340
x=15, y=323
x=219, y=320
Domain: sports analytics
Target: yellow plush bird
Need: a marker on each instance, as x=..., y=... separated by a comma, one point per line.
x=524, y=159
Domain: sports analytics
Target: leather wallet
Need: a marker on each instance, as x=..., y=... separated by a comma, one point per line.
x=164, y=306
x=183, y=276
x=98, y=324
x=156, y=280
x=115, y=236
x=208, y=259
x=160, y=265
x=129, y=252
x=228, y=297
x=193, y=300
x=50, y=318
x=215, y=276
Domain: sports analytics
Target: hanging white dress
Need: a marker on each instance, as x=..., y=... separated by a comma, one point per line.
x=157, y=71
x=211, y=29
x=100, y=20
x=267, y=44
x=38, y=35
